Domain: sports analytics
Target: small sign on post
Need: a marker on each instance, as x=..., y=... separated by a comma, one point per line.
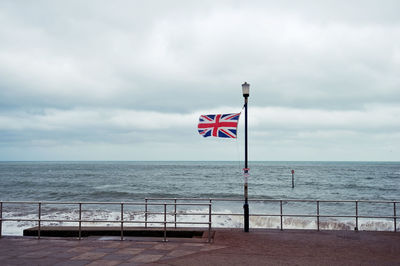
x=292, y=178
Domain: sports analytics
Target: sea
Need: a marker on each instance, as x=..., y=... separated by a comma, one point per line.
x=199, y=181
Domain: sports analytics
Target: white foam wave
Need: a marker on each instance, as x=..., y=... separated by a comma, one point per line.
x=224, y=219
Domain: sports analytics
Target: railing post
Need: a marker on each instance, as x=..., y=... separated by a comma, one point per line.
x=356, y=228
x=80, y=220
x=145, y=213
x=1, y=217
x=122, y=221
x=281, y=215
x=175, y=211
x=209, y=222
x=318, y=215
x=210, y=209
x=394, y=217
x=165, y=221
x=39, y=218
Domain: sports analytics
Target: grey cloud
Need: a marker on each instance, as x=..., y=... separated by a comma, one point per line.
x=79, y=72
x=98, y=58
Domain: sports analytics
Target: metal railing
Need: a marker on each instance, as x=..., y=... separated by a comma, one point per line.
x=163, y=203
x=317, y=214
x=40, y=220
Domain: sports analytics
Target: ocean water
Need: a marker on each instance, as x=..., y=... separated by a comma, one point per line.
x=135, y=181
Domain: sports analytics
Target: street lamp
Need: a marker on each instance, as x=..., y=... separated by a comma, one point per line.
x=246, y=94
x=246, y=89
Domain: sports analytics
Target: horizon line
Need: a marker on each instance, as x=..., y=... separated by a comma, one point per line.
x=394, y=161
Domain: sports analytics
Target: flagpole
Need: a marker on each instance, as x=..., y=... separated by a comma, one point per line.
x=245, y=88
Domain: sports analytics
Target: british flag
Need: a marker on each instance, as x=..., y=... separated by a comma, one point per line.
x=218, y=125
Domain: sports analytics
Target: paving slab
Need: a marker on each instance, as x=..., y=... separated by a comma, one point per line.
x=229, y=247
x=298, y=247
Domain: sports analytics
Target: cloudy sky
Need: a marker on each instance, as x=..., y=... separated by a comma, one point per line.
x=127, y=80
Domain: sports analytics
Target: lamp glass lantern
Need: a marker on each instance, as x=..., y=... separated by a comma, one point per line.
x=246, y=89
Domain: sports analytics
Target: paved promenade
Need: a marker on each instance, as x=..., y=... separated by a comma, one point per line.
x=230, y=247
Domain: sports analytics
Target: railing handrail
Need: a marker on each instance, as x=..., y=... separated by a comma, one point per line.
x=122, y=221
x=194, y=202
x=317, y=215
x=192, y=199
x=98, y=203
x=276, y=200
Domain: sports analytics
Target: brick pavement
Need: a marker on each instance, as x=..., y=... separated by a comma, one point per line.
x=230, y=247
x=95, y=251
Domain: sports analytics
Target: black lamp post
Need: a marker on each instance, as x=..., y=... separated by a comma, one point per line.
x=245, y=89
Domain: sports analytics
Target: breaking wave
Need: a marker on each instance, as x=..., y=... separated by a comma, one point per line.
x=224, y=219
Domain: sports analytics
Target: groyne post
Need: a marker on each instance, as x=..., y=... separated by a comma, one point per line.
x=292, y=178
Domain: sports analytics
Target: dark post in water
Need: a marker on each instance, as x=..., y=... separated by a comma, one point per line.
x=245, y=89
x=292, y=178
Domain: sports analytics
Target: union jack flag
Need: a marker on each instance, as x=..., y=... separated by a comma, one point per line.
x=218, y=125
